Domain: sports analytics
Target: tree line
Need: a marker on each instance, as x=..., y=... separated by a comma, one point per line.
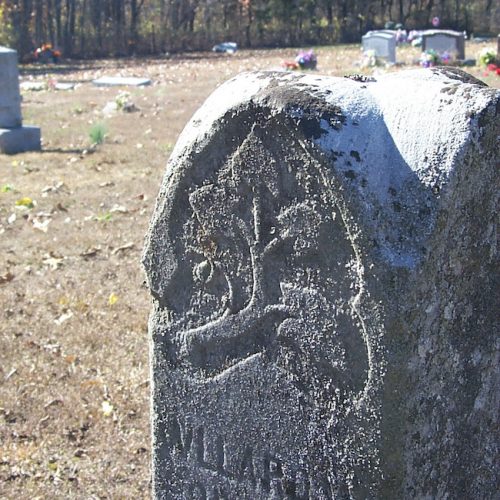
x=100, y=28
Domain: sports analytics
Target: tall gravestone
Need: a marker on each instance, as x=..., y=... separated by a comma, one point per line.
x=323, y=264
x=14, y=137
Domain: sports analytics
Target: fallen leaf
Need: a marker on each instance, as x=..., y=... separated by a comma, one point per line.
x=12, y=372
x=25, y=202
x=8, y=276
x=107, y=408
x=6, y=188
x=61, y=207
x=53, y=261
x=41, y=225
x=118, y=208
x=64, y=317
x=90, y=252
x=127, y=246
x=54, y=189
x=53, y=402
x=52, y=465
x=113, y=299
x=70, y=358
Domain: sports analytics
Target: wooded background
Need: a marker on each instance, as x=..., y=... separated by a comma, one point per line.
x=99, y=28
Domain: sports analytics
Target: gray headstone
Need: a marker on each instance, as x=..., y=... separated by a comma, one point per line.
x=442, y=41
x=14, y=138
x=10, y=98
x=323, y=265
x=382, y=43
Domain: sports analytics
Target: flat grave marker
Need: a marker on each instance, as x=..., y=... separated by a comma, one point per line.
x=119, y=81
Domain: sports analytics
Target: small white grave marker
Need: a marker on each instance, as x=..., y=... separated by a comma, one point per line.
x=116, y=81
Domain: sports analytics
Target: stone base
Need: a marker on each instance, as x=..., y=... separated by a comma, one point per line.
x=18, y=140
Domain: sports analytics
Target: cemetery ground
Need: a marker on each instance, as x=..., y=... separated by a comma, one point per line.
x=74, y=394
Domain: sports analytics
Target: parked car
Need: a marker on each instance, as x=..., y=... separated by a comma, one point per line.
x=226, y=47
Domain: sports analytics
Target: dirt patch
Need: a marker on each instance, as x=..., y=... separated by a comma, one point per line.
x=73, y=337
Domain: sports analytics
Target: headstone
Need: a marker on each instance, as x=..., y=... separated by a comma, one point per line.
x=118, y=81
x=323, y=265
x=383, y=43
x=442, y=41
x=10, y=98
x=14, y=138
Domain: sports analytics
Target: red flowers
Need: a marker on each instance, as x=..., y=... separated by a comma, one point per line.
x=492, y=68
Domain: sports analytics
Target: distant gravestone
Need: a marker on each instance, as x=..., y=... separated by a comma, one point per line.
x=10, y=98
x=323, y=271
x=14, y=137
x=383, y=43
x=442, y=41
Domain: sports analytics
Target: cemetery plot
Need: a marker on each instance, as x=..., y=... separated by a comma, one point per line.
x=74, y=412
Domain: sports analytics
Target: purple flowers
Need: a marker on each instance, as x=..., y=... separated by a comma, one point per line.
x=306, y=60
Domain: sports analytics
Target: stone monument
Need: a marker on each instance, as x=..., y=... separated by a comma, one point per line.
x=14, y=137
x=323, y=265
x=443, y=41
x=383, y=43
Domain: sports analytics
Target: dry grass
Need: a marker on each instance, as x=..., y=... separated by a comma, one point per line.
x=73, y=333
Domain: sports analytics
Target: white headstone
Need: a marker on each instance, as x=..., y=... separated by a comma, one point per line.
x=382, y=43
x=444, y=41
x=10, y=98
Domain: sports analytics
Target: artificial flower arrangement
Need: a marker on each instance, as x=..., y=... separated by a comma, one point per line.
x=492, y=68
x=487, y=56
x=304, y=60
x=431, y=58
x=370, y=59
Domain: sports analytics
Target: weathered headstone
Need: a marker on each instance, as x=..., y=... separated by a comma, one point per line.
x=323, y=264
x=14, y=137
x=442, y=41
x=382, y=43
